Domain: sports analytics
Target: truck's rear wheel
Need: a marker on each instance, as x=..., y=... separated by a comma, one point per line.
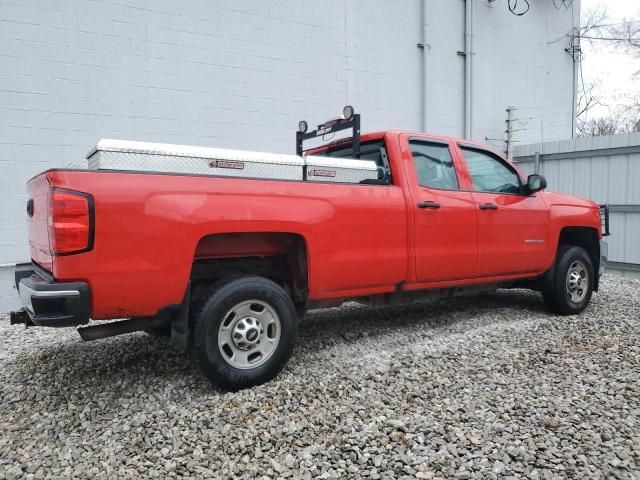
x=567, y=289
x=244, y=332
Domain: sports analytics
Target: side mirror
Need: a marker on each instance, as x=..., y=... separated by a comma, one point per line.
x=535, y=183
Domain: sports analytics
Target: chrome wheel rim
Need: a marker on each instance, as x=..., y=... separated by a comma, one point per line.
x=577, y=282
x=249, y=334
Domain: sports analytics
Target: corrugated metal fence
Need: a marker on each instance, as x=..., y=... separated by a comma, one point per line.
x=605, y=169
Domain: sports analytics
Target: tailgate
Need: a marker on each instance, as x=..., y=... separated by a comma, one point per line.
x=37, y=218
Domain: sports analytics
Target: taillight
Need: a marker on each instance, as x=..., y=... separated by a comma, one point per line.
x=70, y=222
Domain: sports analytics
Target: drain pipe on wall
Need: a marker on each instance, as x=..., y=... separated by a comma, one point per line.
x=468, y=71
x=424, y=46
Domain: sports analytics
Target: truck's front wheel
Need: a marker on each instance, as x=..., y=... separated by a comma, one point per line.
x=569, y=285
x=244, y=332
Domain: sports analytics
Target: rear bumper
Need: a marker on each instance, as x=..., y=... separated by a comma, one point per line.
x=49, y=303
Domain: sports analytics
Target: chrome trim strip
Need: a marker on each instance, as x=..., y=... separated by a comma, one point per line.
x=58, y=293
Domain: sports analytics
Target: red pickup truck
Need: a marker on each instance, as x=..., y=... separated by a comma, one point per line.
x=226, y=263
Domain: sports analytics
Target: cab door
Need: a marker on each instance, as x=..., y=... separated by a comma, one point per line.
x=445, y=217
x=512, y=225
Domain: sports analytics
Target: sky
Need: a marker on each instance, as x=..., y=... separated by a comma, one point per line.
x=603, y=63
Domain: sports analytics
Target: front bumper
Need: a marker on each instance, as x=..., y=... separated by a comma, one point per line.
x=49, y=303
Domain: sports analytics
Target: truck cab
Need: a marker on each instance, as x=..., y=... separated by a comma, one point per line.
x=471, y=214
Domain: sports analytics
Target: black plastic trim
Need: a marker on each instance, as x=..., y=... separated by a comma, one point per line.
x=439, y=141
x=48, y=276
x=604, y=219
x=59, y=311
x=22, y=270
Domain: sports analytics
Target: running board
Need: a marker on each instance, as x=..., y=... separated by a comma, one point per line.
x=120, y=327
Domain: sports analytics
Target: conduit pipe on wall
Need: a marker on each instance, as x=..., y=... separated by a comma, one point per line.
x=425, y=53
x=468, y=70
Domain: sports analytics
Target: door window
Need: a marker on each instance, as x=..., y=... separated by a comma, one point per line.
x=434, y=165
x=491, y=174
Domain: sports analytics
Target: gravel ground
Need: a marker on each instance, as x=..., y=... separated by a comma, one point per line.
x=488, y=387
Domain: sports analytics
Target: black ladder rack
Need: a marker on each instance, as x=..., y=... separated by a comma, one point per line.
x=332, y=126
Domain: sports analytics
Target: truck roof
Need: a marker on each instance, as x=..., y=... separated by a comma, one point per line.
x=371, y=136
x=351, y=121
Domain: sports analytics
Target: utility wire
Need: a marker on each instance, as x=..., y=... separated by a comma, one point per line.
x=571, y=32
x=617, y=24
x=613, y=39
x=563, y=3
x=545, y=107
x=513, y=7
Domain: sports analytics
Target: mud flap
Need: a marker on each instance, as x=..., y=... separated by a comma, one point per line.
x=180, y=323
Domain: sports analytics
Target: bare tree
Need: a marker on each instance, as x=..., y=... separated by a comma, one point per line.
x=587, y=95
x=631, y=115
x=588, y=98
x=599, y=126
x=627, y=37
x=593, y=22
x=623, y=119
x=626, y=34
x=597, y=28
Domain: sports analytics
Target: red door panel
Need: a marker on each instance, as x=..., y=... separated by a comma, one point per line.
x=445, y=243
x=512, y=225
x=513, y=237
x=445, y=217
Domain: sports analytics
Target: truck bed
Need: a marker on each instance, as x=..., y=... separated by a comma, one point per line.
x=149, y=227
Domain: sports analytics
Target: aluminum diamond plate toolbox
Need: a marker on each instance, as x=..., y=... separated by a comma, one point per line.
x=339, y=170
x=168, y=158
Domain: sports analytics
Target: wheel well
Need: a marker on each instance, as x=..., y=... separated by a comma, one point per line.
x=281, y=257
x=584, y=237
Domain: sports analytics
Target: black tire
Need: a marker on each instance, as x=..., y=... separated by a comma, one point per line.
x=557, y=291
x=217, y=362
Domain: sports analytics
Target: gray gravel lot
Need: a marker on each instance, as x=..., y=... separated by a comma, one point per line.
x=488, y=387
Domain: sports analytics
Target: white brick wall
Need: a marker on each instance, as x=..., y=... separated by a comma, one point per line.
x=522, y=61
x=241, y=74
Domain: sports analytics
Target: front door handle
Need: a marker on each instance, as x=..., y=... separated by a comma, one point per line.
x=430, y=205
x=488, y=206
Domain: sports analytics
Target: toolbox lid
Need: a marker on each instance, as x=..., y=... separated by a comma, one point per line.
x=167, y=149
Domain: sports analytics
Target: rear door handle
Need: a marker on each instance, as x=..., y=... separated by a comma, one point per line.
x=488, y=206
x=430, y=205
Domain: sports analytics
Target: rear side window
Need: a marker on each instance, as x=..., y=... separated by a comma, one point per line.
x=373, y=151
x=434, y=165
x=490, y=174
